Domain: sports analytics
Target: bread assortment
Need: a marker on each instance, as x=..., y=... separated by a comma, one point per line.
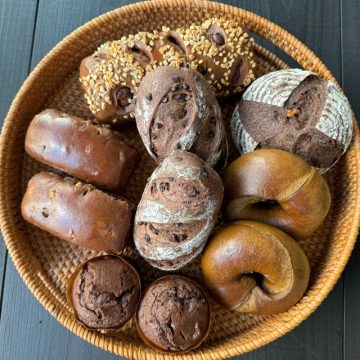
x=177, y=109
x=177, y=211
x=173, y=315
x=255, y=268
x=289, y=126
x=90, y=152
x=296, y=111
x=278, y=188
x=104, y=292
x=77, y=212
x=220, y=49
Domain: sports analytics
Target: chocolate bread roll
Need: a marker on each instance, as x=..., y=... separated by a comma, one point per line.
x=177, y=211
x=177, y=109
x=173, y=315
x=89, y=152
x=104, y=292
x=219, y=49
x=77, y=212
x=296, y=111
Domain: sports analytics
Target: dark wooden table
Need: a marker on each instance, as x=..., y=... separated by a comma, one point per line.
x=30, y=28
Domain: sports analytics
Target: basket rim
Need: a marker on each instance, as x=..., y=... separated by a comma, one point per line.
x=44, y=295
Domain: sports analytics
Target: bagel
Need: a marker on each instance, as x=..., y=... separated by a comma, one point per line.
x=278, y=188
x=255, y=268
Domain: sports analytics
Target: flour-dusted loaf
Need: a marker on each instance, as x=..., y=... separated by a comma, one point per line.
x=177, y=211
x=90, y=152
x=296, y=111
x=77, y=212
x=177, y=109
x=220, y=49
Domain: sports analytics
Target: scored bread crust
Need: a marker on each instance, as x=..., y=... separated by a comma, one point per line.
x=179, y=209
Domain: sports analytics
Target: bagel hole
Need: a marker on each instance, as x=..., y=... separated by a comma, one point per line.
x=266, y=204
x=254, y=275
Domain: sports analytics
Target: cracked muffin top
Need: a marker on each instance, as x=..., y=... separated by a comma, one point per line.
x=173, y=314
x=105, y=292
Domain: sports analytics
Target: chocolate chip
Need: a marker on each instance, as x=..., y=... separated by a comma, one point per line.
x=182, y=113
x=164, y=99
x=237, y=72
x=121, y=96
x=159, y=125
x=202, y=70
x=45, y=212
x=175, y=87
x=153, y=229
x=149, y=97
x=153, y=187
x=180, y=96
x=177, y=79
x=184, y=86
x=193, y=192
x=140, y=55
x=164, y=186
x=153, y=136
x=178, y=146
x=218, y=39
x=183, y=237
x=174, y=238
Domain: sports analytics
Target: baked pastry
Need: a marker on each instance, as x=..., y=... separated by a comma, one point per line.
x=77, y=212
x=255, y=268
x=89, y=152
x=177, y=109
x=173, y=315
x=296, y=111
x=278, y=188
x=220, y=49
x=104, y=292
x=177, y=211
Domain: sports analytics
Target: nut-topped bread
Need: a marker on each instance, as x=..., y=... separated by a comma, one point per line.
x=220, y=49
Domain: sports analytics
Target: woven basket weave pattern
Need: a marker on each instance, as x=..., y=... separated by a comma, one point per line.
x=45, y=262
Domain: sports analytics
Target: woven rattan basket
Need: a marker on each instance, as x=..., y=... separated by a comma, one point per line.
x=45, y=262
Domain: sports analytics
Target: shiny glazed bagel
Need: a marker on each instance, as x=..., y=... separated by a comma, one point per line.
x=255, y=268
x=278, y=188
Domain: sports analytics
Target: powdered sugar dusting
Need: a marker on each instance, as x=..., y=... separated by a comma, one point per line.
x=336, y=120
x=241, y=138
x=275, y=88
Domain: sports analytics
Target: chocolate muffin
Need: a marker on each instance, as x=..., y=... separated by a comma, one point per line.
x=173, y=314
x=104, y=292
x=296, y=111
x=77, y=212
x=92, y=153
x=177, y=109
x=177, y=211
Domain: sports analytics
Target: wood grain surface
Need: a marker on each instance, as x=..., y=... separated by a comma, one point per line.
x=30, y=28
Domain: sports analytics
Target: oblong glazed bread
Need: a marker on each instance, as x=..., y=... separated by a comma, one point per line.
x=77, y=212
